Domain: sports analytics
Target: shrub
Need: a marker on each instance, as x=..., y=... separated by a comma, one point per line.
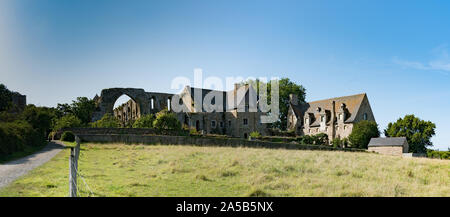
x=320, y=139
x=340, y=143
x=107, y=121
x=255, y=134
x=166, y=121
x=362, y=133
x=146, y=121
x=68, y=136
x=67, y=121
x=17, y=136
x=438, y=154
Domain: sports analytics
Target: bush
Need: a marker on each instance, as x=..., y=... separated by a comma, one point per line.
x=255, y=135
x=166, y=121
x=68, y=136
x=362, y=133
x=145, y=121
x=68, y=121
x=438, y=154
x=17, y=136
x=320, y=139
x=340, y=143
x=107, y=121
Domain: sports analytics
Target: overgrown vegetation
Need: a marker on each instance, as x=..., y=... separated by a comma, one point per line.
x=166, y=120
x=145, y=121
x=107, y=121
x=438, y=154
x=154, y=170
x=68, y=136
x=362, y=132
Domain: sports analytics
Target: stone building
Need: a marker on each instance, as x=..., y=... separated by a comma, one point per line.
x=233, y=115
x=389, y=146
x=334, y=117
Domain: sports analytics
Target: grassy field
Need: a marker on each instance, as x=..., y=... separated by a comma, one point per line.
x=139, y=170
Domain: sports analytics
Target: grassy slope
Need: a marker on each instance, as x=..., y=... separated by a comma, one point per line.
x=138, y=170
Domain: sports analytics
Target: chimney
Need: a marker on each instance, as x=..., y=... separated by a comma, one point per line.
x=333, y=117
x=293, y=99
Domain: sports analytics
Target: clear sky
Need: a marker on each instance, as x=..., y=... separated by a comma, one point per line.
x=395, y=51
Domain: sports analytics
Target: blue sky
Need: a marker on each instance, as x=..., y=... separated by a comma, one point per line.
x=395, y=51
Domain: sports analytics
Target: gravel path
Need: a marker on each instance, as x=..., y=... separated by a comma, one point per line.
x=12, y=170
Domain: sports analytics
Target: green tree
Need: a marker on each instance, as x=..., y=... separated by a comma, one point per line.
x=5, y=98
x=82, y=108
x=40, y=118
x=286, y=87
x=107, y=121
x=362, y=132
x=146, y=121
x=68, y=121
x=166, y=121
x=418, y=132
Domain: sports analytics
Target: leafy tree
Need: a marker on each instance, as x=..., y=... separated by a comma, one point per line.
x=82, y=108
x=5, y=98
x=107, y=121
x=166, y=121
x=286, y=87
x=40, y=118
x=362, y=132
x=145, y=121
x=68, y=121
x=418, y=132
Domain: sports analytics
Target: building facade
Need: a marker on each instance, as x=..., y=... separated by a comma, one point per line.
x=334, y=117
x=231, y=113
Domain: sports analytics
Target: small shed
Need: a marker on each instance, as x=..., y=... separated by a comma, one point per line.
x=389, y=146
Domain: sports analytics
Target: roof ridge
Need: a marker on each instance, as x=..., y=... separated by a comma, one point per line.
x=340, y=97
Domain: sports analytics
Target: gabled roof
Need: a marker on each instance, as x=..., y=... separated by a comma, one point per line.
x=352, y=104
x=388, y=141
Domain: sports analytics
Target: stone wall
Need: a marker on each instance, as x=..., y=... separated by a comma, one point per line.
x=388, y=150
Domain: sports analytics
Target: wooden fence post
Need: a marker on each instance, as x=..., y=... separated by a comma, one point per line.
x=73, y=165
x=72, y=174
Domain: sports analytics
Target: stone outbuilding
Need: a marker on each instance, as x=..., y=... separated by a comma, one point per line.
x=389, y=146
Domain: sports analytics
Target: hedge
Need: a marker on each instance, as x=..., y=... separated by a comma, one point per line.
x=17, y=136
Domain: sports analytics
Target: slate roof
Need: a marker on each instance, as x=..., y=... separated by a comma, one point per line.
x=388, y=141
x=352, y=104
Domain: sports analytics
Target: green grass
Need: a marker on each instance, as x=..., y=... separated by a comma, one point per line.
x=141, y=170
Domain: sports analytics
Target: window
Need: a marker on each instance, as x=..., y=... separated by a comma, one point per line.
x=152, y=103
x=309, y=130
x=341, y=117
x=326, y=129
x=229, y=123
x=322, y=118
x=213, y=124
x=221, y=124
x=168, y=104
x=345, y=127
x=307, y=121
x=365, y=116
x=245, y=121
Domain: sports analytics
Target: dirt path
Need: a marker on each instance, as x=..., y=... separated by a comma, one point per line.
x=12, y=170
